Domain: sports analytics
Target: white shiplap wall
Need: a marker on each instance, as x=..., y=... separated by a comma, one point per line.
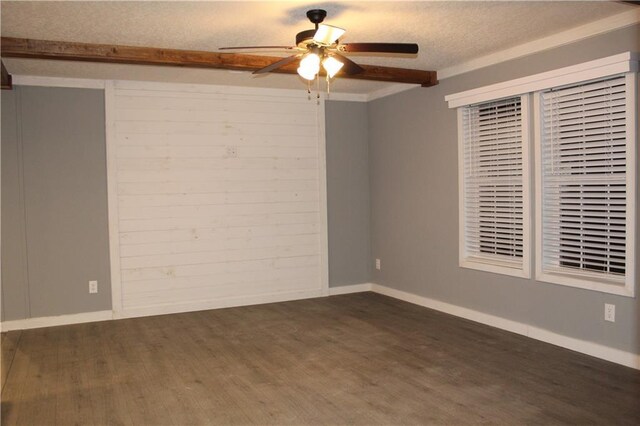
x=216, y=196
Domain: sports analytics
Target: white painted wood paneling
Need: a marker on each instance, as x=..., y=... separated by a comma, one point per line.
x=217, y=196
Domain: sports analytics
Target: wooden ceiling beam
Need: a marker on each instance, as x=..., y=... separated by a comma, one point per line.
x=6, y=83
x=70, y=51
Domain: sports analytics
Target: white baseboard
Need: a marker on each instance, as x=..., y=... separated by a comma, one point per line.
x=26, y=324
x=589, y=348
x=470, y=314
x=346, y=289
x=583, y=346
x=29, y=323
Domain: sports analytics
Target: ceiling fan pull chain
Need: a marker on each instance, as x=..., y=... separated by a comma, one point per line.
x=318, y=89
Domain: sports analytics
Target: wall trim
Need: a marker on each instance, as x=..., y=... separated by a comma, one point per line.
x=612, y=23
x=29, y=323
x=324, y=209
x=583, y=346
x=343, y=96
x=34, y=80
x=112, y=195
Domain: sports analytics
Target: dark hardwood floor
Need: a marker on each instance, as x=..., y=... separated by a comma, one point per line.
x=361, y=358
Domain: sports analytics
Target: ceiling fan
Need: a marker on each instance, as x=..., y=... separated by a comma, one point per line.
x=321, y=46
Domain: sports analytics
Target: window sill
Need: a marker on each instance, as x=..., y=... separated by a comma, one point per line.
x=495, y=266
x=588, y=282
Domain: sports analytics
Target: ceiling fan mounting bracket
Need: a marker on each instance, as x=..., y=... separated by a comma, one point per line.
x=316, y=16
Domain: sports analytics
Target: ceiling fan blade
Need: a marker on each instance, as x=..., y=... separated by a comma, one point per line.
x=379, y=47
x=326, y=35
x=256, y=47
x=277, y=64
x=349, y=66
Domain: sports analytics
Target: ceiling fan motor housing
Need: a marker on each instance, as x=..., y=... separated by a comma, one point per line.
x=304, y=38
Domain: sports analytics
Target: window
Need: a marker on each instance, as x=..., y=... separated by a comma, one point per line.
x=585, y=121
x=585, y=184
x=493, y=218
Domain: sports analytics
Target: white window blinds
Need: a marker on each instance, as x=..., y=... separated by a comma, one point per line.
x=492, y=217
x=583, y=174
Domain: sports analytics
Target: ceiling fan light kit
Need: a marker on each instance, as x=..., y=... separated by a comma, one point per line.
x=331, y=65
x=326, y=35
x=309, y=66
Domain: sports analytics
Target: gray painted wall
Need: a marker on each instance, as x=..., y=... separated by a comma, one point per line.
x=54, y=202
x=414, y=205
x=348, y=193
x=54, y=211
x=15, y=301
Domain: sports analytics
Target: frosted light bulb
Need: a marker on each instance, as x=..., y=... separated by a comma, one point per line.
x=331, y=65
x=309, y=66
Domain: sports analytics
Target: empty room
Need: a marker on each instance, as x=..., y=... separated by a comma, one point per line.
x=320, y=213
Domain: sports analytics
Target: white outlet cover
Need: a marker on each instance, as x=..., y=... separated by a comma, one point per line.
x=93, y=287
x=378, y=264
x=609, y=312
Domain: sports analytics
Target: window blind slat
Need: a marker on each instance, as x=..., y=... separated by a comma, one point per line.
x=597, y=116
x=593, y=150
x=580, y=138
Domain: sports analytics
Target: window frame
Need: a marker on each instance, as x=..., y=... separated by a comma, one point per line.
x=627, y=63
x=504, y=267
x=587, y=279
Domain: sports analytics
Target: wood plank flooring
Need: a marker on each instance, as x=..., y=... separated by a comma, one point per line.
x=353, y=359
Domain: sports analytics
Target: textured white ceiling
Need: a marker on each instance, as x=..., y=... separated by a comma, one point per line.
x=448, y=32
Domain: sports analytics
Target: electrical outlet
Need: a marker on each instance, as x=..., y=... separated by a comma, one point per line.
x=609, y=312
x=93, y=287
x=378, y=264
